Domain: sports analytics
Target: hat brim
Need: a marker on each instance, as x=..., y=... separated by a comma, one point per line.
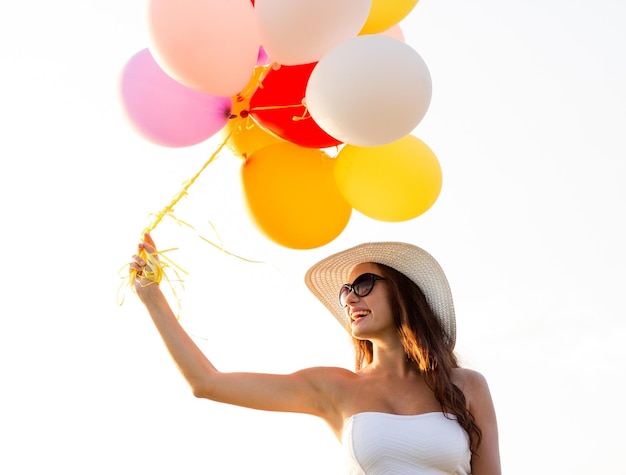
x=326, y=277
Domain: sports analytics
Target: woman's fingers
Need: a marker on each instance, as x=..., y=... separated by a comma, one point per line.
x=147, y=248
x=138, y=263
x=149, y=245
x=145, y=263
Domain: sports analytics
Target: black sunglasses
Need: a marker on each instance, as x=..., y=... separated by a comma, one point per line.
x=361, y=287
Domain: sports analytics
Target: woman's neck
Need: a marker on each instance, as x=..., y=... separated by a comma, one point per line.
x=391, y=360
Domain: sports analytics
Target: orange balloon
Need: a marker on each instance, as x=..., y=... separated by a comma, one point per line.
x=292, y=196
x=392, y=182
x=245, y=136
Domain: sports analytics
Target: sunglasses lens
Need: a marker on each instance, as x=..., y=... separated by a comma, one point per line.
x=362, y=286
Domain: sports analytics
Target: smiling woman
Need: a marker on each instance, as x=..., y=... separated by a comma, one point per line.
x=407, y=381
x=527, y=121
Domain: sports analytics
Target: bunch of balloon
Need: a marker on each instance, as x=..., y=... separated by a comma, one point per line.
x=283, y=82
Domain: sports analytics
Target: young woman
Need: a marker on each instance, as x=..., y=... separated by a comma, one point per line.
x=408, y=408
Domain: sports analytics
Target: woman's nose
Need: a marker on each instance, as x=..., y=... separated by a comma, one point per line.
x=352, y=297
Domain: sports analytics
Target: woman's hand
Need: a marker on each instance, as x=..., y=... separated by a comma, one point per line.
x=145, y=267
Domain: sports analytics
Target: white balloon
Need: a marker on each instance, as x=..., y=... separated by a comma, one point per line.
x=370, y=90
x=302, y=31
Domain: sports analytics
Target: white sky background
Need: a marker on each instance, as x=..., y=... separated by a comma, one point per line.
x=527, y=120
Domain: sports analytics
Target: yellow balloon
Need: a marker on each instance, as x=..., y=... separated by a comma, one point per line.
x=384, y=14
x=392, y=182
x=292, y=196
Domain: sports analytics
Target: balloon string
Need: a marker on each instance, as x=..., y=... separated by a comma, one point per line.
x=305, y=114
x=264, y=108
x=254, y=85
x=159, y=262
x=219, y=246
x=183, y=192
x=243, y=95
x=158, y=266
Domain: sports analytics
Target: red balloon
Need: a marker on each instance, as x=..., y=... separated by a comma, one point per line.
x=277, y=106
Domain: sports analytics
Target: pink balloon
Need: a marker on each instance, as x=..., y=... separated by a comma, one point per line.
x=208, y=45
x=395, y=32
x=164, y=111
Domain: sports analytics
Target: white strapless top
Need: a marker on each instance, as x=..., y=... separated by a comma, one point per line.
x=378, y=443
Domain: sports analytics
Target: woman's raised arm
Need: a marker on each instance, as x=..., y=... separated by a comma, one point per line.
x=307, y=391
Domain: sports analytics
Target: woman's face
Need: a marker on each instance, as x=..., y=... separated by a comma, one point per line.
x=370, y=315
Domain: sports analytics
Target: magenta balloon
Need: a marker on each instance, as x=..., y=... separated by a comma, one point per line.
x=262, y=58
x=164, y=111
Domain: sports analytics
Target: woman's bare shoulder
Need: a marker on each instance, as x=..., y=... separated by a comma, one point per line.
x=474, y=386
x=328, y=373
x=468, y=380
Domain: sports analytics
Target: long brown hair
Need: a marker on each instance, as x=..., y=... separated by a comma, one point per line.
x=427, y=347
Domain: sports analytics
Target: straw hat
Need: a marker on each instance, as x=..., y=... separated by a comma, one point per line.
x=326, y=277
